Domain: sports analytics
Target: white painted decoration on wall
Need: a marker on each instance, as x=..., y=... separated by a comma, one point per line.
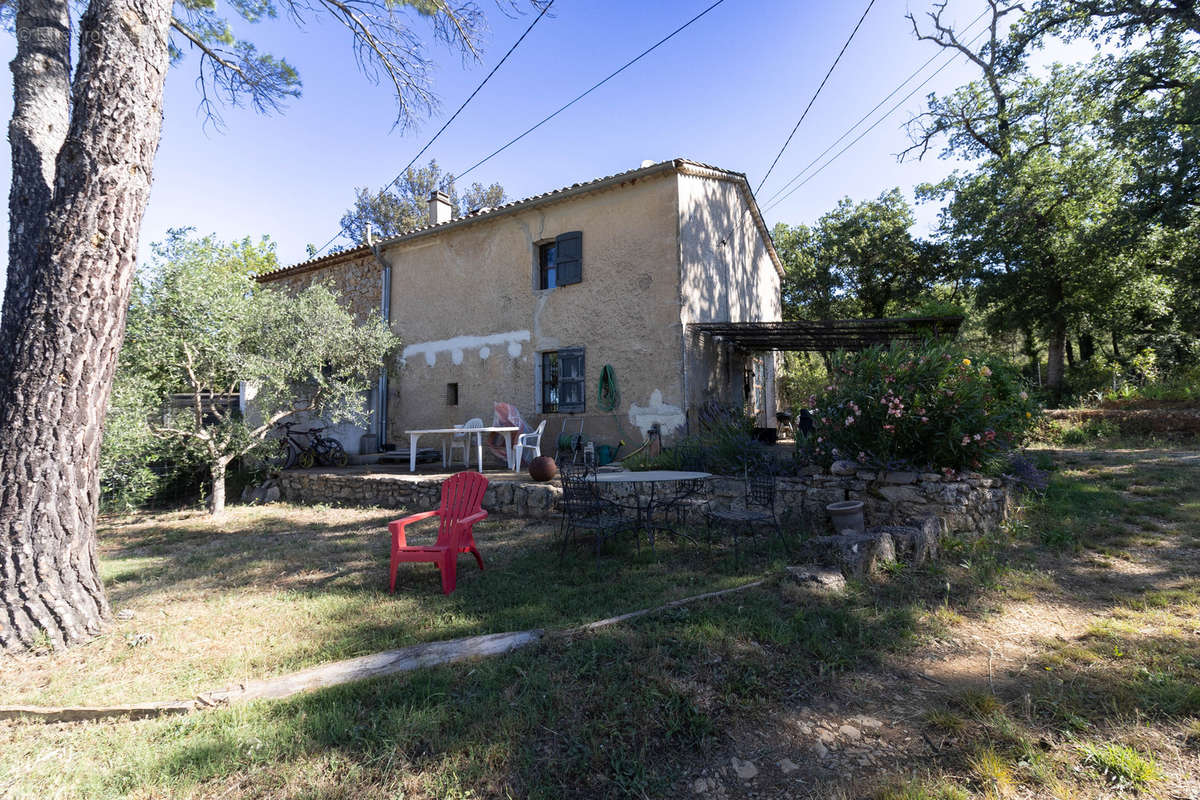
x=511, y=340
x=668, y=417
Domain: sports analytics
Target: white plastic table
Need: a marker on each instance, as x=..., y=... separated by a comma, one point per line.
x=476, y=432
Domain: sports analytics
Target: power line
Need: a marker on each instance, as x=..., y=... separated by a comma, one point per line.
x=872, y=127
x=593, y=88
x=867, y=115
x=453, y=116
x=813, y=99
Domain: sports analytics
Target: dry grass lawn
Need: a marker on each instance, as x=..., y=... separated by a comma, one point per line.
x=1059, y=658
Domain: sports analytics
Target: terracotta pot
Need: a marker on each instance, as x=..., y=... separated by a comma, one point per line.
x=543, y=469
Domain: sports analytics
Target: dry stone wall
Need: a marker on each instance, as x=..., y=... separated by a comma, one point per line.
x=534, y=500
x=359, y=283
x=968, y=504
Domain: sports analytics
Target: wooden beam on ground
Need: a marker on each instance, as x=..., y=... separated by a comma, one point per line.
x=405, y=659
x=390, y=662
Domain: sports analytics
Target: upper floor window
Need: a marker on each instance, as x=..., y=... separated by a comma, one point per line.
x=560, y=262
x=548, y=265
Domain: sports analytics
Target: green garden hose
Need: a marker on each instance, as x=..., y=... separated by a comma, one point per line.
x=608, y=395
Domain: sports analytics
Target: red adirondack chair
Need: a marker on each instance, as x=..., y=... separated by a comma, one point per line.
x=461, y=508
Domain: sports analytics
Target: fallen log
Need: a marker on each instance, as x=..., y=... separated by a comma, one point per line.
x=389, y=662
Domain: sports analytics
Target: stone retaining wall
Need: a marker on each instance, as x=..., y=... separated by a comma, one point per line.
x=535, y=500
x=969, y=504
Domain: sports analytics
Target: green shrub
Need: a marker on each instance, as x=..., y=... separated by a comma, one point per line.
x=723, y=444
x=930, y=406
x=1089, y=431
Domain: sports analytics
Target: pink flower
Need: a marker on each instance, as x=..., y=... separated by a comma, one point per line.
x=1024, y=396
x=924, y=419
x=966, y=440
x=889, y=428
x=984, y=371
x=849, y=420
x=977, y=437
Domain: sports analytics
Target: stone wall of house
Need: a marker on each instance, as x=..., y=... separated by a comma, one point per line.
x=358, y=282
x=968, y=504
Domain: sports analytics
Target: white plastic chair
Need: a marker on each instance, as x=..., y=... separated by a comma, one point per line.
x=463, y=440
x=529, y=441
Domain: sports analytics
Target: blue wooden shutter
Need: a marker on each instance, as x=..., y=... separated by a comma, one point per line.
x=571, y=380
x=569, y=257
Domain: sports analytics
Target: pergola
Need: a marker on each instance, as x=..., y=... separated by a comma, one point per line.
x=826, y=336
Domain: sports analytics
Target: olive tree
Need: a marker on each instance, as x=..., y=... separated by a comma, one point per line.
x=200, y=329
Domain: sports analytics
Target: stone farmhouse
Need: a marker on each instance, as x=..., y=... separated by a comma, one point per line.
x=526, y=303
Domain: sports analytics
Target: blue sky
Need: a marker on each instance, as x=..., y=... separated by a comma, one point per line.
x=726, y=91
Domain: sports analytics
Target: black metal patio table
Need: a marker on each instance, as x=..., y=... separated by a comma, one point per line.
x=646, y=502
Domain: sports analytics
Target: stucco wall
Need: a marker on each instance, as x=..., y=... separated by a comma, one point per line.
x=465, y=305
x=727, y=276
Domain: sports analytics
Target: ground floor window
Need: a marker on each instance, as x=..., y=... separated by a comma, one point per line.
x=562, y=381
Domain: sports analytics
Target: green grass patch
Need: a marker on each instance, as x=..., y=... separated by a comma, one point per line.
x=1121, y=764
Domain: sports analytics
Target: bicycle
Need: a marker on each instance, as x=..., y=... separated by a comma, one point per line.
x=292, y=451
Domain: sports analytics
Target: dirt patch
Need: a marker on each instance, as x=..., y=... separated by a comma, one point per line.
x=928, y=718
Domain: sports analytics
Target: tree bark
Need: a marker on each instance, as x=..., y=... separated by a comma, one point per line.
x=1087, y=347
x=1054, y=359
x=1070, y=352
x=41, y=114
x=62, y=352
x=216, y=499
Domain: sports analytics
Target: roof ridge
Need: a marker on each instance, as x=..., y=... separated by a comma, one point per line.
x=362, y=249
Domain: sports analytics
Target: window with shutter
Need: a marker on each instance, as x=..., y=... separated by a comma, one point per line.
x=547, y=266
x=562, y=379
x=571, y=395
x=569, y=258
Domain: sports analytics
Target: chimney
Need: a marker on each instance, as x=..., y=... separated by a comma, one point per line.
x=440, y=209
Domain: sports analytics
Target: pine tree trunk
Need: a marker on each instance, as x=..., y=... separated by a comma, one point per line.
x=41, y=114
x=61, y=352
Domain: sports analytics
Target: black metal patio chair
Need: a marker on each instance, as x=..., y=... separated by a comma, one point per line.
x=583, y=509
x=758, y=510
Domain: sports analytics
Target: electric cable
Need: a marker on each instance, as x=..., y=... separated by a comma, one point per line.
x=813, y=99
x=453, y=116
x=872, y=127
x=867, y=115
x=593, y=88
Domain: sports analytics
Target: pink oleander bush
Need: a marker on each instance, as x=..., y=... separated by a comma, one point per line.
x=931, y=406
